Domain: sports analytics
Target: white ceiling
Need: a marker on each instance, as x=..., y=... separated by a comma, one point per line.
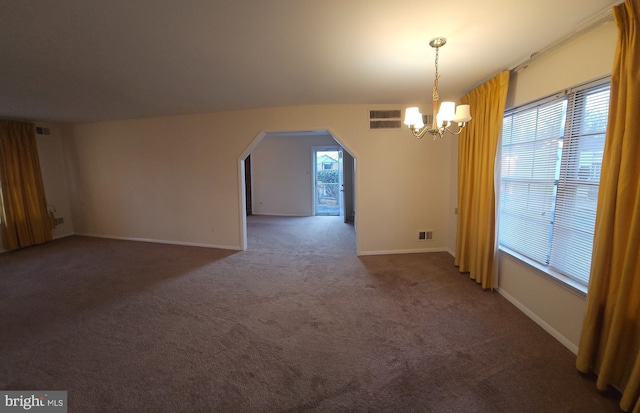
x=80, y=60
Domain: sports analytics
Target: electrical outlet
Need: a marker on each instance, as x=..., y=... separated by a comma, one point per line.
x=425, y=235
x=59, y=221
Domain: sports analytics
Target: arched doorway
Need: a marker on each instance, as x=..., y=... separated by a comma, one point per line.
x=270, y=199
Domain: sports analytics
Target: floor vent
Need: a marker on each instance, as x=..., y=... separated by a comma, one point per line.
x=42, y=131
x=385, y=119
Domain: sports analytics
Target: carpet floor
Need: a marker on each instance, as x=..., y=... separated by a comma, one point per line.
x=295, y=323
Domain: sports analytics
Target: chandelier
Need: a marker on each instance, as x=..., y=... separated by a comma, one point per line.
x=445, y=114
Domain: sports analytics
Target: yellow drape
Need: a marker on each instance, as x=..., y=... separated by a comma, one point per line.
x=610, y=340
x=25, y=220
x=477, y=148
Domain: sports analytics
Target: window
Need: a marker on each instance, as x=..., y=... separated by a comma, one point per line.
x=550, y=173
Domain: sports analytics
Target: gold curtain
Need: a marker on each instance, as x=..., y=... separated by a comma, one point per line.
x=25, y=220
x=477, y=148
x=610, y=340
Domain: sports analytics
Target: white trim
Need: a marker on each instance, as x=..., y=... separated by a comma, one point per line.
x=157, y=241
x=68, y=234
x=280, y=215
x=408, y=251
x=539, y=321
x=242, y=201
x=451, y=252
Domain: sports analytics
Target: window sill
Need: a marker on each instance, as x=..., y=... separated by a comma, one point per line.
x=553, y=276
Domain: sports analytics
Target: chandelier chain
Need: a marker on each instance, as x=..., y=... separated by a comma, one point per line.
x=437, y=78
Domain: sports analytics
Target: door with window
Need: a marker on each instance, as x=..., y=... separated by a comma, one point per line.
x=327, y=181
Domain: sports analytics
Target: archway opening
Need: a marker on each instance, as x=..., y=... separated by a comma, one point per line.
x=289, y=190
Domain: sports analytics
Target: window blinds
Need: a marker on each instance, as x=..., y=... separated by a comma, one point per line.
x=551, y=157
x=531, y=144
x=577, y=195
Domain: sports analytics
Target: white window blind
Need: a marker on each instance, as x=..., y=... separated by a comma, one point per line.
x=550, y=172
x=577, y=198
x=529, y=170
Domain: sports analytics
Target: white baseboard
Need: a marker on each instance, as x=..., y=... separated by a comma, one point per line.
x=157, y=241
x=552, y=331
x=407, y=251
x=276, y=214
x=63, y=235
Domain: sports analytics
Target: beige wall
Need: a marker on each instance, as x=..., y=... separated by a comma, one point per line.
x=281, y=174
x=176, y=179
x=452, y=209
x=586, y=58
x=556, y=309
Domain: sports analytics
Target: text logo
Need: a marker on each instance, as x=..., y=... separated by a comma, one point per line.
x=41, y=401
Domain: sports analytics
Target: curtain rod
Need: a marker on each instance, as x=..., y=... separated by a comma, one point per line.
x=586, y=26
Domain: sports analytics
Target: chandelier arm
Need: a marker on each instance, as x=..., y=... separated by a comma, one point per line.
x=419, y=133
x=436, y=132
x=459, y=129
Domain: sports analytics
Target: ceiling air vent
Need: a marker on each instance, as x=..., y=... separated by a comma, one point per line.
x=385, y=119
x=42, y=131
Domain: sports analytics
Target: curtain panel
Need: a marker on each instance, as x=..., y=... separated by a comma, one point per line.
x=610, y=339
x=477, y=149
x=24, y=215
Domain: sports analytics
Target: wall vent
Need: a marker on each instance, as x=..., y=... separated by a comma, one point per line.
x=42, y=131
x=385, y=119
x=391, y=119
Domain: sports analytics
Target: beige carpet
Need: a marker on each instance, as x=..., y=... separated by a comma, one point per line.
x=295, y=323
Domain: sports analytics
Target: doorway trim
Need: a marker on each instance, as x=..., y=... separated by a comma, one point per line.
x=242, y=218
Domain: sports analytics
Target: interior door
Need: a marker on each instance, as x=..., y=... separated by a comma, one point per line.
x=348, y=170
